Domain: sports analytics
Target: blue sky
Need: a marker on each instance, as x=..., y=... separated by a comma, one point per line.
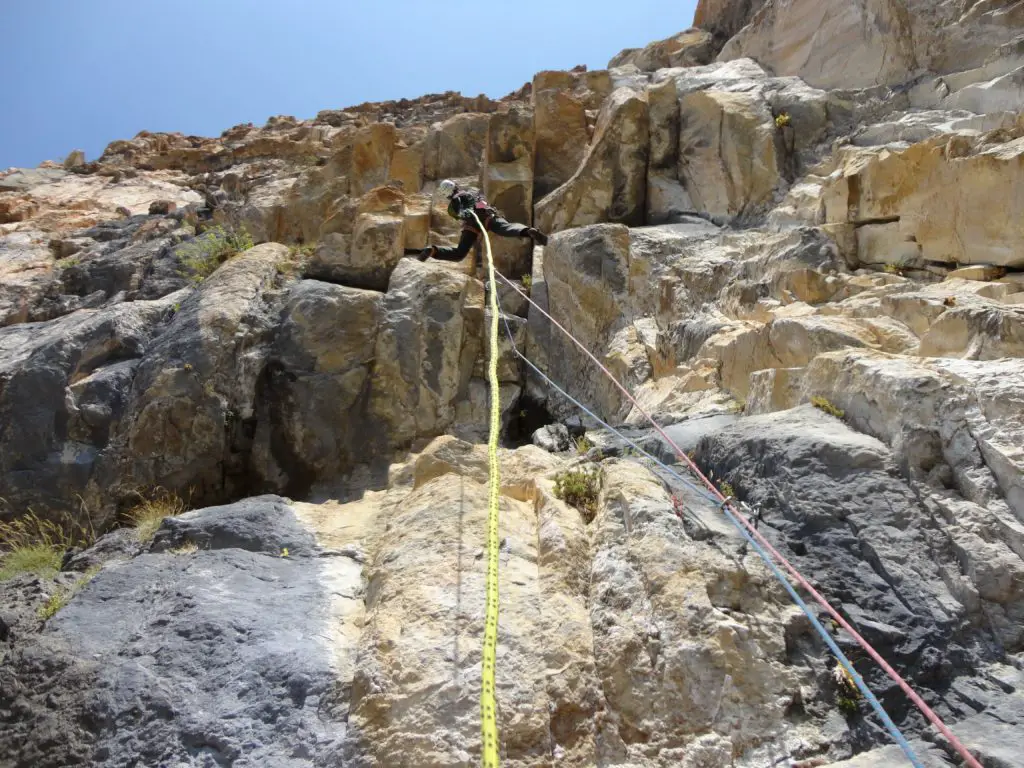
x=81, y=73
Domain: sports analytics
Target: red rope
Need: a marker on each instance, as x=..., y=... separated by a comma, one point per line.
x=911, y=694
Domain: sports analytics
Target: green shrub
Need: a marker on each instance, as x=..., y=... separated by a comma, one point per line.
x=39, y=559
x=847, y=705
x=583, y=445
x=150, y=513
x=726, y=488
x=201, y=256
x=848, y=696
x=31, y=544
x=825, y=405
x=578, y=488
x=782, y=120
x=527, y=281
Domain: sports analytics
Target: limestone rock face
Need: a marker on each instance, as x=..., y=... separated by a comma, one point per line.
x=724, y=18
x=727, y=152
x=590, y=615
x=312, y=399
x=611, y=183
x=60, y=380
x=690, y=48
x=879, y=42
x=587, y=275
x=948, y=199
x=507, y=173
x=422, y=365
x=455, y=147
x=560, y=122
x=193, y=389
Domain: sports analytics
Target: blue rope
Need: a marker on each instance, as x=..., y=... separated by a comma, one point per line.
x=890, y=726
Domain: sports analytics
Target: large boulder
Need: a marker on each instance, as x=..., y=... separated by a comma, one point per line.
x=366, y=258
x=371, y=152
x=311, y=409
x=667, y=198
x=560, y=121
x=690, y=48
x=455, y=147
x=728, y=154
x=194, y=391
x=64, y=390
x=425, y=351
x=611, y=183
x=724, y=18
x=587, y=277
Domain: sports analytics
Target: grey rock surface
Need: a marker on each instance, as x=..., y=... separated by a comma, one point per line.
x=833, y=501
x=263, y=524
x=212, y=658
x=553, y=438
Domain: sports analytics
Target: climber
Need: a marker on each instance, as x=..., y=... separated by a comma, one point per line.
x=460, y=204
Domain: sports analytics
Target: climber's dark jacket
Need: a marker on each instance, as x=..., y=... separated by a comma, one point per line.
x=459, y=207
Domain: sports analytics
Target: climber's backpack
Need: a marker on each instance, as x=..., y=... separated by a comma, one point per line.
x=469, y=199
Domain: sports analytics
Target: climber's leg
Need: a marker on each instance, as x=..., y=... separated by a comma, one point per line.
x=505, y=228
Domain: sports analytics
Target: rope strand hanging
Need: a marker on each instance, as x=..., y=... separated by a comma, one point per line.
x=488, y=703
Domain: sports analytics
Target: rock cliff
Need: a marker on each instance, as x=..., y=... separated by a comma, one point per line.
x=794, y=231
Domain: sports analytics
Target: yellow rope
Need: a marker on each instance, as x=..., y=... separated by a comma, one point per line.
x=488, y=705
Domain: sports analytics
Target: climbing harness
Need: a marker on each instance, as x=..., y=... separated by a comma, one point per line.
x=488, y=704
x=763, y=547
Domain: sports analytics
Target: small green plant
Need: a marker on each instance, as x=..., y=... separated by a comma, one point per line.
x=583, y=445
x=31, y=544
x=578, y=488
x=298, y=257
x=188, y=548
x=899, y=268
x=726, y=488
x=68, y=261
x=57, y=600
x=782, y=120
x=822, y=404
x=62, y=596
x=848, y=696
x=201, y=256
x=147, y=516
x=527, y=281
x=847, y=705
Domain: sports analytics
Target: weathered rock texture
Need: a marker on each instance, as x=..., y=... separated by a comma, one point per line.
x=793, y=204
